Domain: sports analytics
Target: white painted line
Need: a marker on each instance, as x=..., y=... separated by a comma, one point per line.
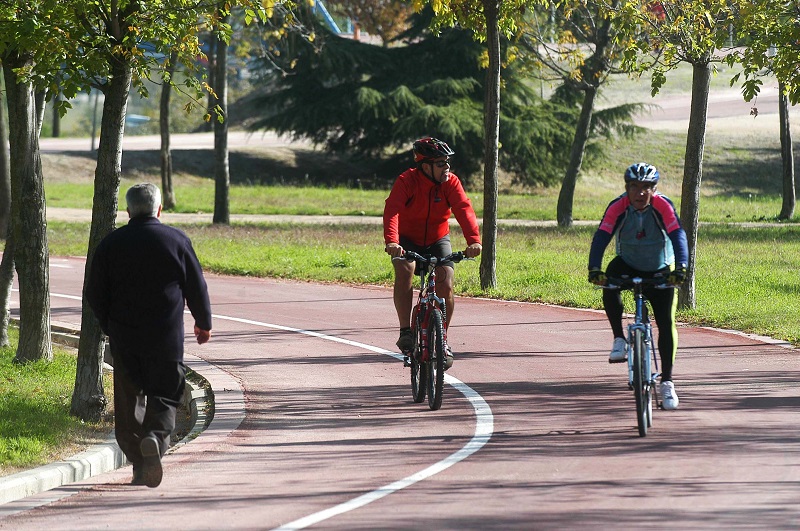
x=62, y=296
x=484, y=427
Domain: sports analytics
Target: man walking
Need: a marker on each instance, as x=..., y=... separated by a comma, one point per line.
x=139, y=278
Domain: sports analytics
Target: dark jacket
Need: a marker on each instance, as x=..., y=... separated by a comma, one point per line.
x=139, y=278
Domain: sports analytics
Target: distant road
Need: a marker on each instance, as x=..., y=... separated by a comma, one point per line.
x=724, y=106
x=77, y=215
x=727, y=110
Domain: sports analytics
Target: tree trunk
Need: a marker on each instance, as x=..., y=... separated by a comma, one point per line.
x=29, y=220
x=222, y=177
x=56, y=116
x=787, y=156
x=567, y=193
x=592, y=72
x=692, y=174
x=88, y=399
x=212, y=82
x=5, y=164
x=167, y=192
x=94, y=115
x=488, y=269
x=6, y=282
x=7, y=262
x=39, y=98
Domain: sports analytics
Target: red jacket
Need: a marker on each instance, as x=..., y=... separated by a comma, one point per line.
x=419, y=209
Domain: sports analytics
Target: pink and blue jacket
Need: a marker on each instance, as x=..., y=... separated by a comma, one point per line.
x=649, y=240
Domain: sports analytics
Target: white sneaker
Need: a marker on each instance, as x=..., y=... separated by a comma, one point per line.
x=619, y=352
x=669, y=397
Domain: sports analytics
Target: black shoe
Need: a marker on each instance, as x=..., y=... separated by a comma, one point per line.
x=448, y=356
x=406, y=341
x=138, y=475
x=151, y=471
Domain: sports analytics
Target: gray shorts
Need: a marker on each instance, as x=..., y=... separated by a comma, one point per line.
x=439, y=249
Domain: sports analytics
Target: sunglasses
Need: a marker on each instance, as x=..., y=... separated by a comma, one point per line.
x=442, y=164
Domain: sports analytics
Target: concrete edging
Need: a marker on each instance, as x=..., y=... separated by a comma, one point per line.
x=100, y=458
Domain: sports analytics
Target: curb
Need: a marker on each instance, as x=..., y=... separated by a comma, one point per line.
x=103, y=457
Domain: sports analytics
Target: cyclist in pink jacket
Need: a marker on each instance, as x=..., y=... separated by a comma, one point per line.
x=650, y=242
x=416, y=218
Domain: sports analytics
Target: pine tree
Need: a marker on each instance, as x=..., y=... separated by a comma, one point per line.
x=370, y=101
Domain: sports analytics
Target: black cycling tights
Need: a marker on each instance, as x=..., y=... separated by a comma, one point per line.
x=664, y=303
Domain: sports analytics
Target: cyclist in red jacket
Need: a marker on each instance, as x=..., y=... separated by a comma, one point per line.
x=416, y=218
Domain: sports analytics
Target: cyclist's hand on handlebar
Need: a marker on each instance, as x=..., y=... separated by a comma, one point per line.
x=597, y=277
x=473, y=250
x=677, y=277
x=394, y=249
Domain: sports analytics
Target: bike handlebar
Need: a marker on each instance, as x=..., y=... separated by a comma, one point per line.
x=658, y=282
x=430, y=259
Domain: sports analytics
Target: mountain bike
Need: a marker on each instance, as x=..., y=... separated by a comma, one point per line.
x=642, y=358
x=429, y=324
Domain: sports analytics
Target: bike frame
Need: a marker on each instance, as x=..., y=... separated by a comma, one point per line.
x=642, y=369
x=430, y=330
x=641, y=322
x=426, y=300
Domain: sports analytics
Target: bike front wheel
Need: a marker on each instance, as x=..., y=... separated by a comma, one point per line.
x=419, y=369
x=419, y=380
x=641, y=384
x=435, y=359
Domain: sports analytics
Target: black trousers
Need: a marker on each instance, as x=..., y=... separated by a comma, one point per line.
x=147, y=393
x=664, y=303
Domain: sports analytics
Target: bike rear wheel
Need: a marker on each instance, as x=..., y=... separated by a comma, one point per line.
x=652, y=398
x=435, y=359
x=419, y=369
x=641, y=383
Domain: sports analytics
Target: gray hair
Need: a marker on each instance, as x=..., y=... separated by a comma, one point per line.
x=143, y=200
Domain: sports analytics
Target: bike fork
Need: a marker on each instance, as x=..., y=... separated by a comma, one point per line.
x=645, y=328
x=652, y=365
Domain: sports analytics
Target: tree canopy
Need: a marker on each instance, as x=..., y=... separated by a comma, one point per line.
x=369, y=101
x=771, y=31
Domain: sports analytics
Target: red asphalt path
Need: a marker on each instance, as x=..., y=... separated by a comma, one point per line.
x=545, y=439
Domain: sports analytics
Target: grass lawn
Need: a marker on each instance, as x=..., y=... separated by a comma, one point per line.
x=741, y=181
x=35, y=425
x=746, y=277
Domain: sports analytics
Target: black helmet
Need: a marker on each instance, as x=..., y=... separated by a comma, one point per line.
x=429, y=148
x=642, y=172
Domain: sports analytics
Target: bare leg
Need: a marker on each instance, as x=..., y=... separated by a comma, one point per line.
x=403, y=290
x=444, y=289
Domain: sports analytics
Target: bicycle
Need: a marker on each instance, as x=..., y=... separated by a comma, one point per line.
x=642, y=358
x=429, y=324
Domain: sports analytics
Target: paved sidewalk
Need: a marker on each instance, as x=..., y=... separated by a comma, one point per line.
x=81, y=215
x=103, y=457
x=534, y=419
x=230, y=411
x=107, y=456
